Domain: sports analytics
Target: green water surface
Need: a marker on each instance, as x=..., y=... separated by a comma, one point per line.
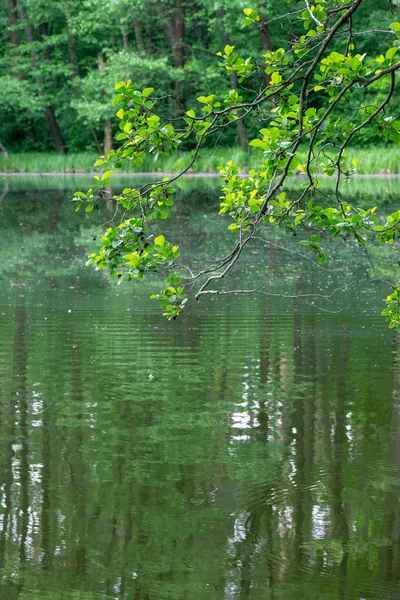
x=249, y=450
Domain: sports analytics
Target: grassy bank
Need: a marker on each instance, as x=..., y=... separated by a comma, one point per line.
x=371, y=161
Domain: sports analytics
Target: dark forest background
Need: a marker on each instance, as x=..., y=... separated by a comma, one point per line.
x=60, y=60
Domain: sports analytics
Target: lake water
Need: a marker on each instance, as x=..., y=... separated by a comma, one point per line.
x=251, y=449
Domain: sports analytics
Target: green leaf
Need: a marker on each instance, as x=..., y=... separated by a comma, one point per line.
x=228, y=50
x=390, y=53
x=147, y=91
x=118, y=98
x=258, y=143
x=251, y=14
x=276, y=78
x=159, y=240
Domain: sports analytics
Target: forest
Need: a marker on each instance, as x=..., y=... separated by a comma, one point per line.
x=60, y=61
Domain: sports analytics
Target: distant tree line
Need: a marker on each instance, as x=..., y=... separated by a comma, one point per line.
x=60, y=60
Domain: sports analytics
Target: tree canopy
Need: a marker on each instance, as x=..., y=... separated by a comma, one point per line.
x=60, y=60
x=309, y=99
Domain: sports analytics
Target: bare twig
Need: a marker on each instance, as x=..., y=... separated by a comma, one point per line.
x=289, y=296
x=299, y=297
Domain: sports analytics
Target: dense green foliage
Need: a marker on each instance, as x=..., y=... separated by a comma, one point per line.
x=310, y=98
x=60, y=60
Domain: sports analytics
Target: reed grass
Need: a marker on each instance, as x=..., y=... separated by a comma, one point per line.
x=41, y=162
x=377, y=160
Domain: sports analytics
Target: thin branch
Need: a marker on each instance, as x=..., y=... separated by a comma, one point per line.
x=364, y=124
x=374, y=270
x=293, y=296
x=391, y=31
x=314, y=18
x=300, y=297
x=304, y=256
x=382, y=73
x=302, y=100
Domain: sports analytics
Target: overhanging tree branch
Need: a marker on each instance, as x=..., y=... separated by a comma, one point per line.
x=309, y=83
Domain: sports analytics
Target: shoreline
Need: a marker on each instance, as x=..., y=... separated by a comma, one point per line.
x=115, y=174
x=381, y=163
x=196, y=175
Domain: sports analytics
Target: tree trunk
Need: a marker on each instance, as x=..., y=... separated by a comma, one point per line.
x=199, y=27
x=107, y=136
x=173, y=27
x=3, y=150
x=12, y=16
x=13, y=37
x=73, y=58
x=264, y=34
x=138, y=36
x=125, y=38
x=54, y=129
x=107, y=122
x=14, y=44
x=27, y=28
x=149, y=40
x=264, y=31
x=166, y=25
x=51, y=119
x=96, y=140
x=241, y=128
x=71, y=43
x=179, y=49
